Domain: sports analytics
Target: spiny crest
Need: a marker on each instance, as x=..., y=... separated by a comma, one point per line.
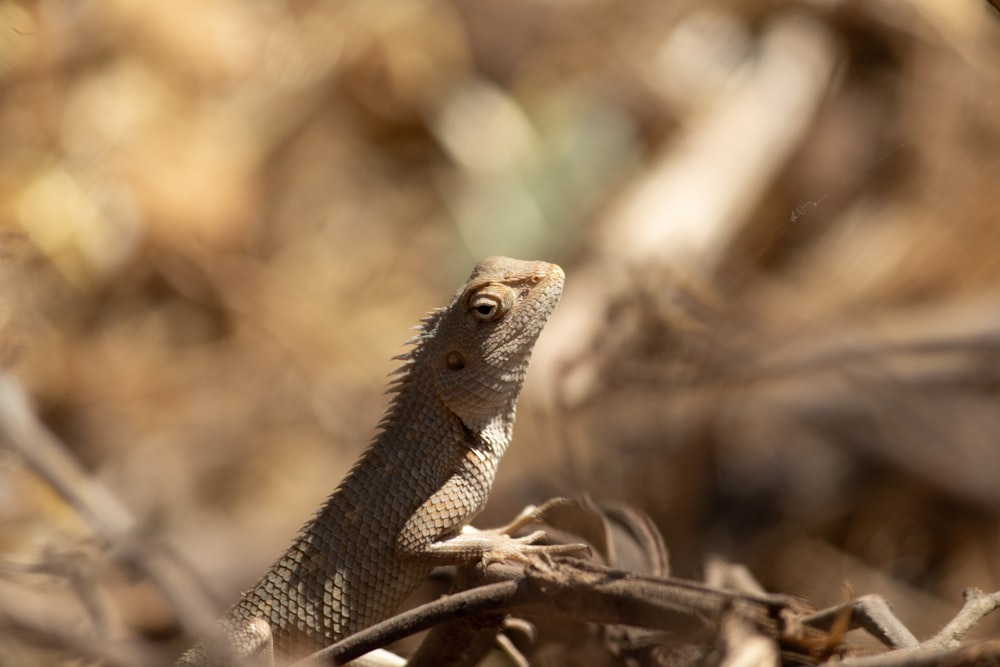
x=425, y=331
x=417, y=342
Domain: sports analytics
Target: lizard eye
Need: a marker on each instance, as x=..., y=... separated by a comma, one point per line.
x=491, y=302
x=487, y=310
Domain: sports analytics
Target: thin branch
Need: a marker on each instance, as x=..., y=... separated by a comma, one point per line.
x=77, y=570
x=971, y=655
x=466, y=603
x=21, y=429
x=49, y=635
x=576, y=590
x=944, y=646
x=977, y=605
x=872, y=613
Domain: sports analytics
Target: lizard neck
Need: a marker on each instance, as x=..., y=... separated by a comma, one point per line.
x=497, y=433
x=416, y=403
x=487, y=404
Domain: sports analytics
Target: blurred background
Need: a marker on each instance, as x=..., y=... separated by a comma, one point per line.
x=779, y=220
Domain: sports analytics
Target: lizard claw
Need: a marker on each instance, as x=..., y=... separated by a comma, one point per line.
x=504, y=547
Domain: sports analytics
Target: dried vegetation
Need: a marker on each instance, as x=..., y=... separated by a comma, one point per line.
x=780, y=337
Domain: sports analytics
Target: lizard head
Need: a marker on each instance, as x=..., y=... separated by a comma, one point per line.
x=481, y=343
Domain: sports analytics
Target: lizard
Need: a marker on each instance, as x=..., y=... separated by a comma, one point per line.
x=405, y=505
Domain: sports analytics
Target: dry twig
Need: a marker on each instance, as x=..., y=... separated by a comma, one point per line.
x=114, y=526
x=579, y=591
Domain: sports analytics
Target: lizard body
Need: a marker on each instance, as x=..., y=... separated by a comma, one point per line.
x=402, y=508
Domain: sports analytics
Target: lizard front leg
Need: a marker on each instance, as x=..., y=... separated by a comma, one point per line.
x=503, y=549
x=438, y=534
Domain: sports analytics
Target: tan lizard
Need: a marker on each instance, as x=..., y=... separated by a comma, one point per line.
x=405, y=505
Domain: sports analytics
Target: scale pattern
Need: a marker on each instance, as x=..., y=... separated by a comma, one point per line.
x=427, y=473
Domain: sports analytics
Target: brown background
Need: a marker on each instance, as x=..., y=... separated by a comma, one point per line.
x=218, y=220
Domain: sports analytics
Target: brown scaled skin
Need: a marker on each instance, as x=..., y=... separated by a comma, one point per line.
x=401, y=509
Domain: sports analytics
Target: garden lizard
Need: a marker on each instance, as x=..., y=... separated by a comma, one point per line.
x=405, y=505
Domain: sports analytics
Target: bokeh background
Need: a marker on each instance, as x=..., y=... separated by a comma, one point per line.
x=779, y=220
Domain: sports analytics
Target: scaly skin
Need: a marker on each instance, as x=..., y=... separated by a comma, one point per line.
x=401, y=509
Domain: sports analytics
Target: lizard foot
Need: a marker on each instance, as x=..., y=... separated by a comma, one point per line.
x=520, y=549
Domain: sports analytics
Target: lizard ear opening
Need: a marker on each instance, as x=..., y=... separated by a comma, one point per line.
x=455, y=361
